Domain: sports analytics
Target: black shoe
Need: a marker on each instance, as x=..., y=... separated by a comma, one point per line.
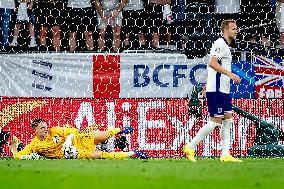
x=42, y=48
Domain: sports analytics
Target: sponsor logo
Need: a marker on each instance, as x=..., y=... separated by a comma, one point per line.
x=143, y=76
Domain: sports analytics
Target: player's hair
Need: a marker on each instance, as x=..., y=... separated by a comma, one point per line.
x=36, y=121
x=225, y=24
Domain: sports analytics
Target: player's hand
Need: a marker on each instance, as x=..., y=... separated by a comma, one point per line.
x=33, y=156
x=69, y=151
x=235, y=78
x=30, y=7
x=203, y=92
x=105, y=19
x=114, y=14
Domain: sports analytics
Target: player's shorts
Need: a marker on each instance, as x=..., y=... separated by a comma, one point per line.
x=83, y=19
x=116, y=22
x=85, y=145
x=218, y=104
x=30, y=16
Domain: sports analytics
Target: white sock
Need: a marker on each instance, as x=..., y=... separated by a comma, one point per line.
x=203, y=133
x=33, y=39
x=14, y=39
x=225, y=137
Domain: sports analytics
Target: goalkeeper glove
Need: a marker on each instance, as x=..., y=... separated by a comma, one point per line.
x=69, y=151
x=33, y=156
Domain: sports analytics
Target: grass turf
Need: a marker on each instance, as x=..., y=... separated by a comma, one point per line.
x=133, y=173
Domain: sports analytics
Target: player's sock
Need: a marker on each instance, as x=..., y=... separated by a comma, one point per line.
x=32, y=42
x=112, y=132
x=116, y=155
x=14, y=42
x=225, y=137
x=203, y=133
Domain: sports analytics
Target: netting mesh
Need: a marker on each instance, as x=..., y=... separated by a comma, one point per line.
x=138, y=87
x=82, y=25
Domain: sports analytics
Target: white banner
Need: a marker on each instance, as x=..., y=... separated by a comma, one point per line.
x=160, y=75
x=97, y=75
x=46, y=75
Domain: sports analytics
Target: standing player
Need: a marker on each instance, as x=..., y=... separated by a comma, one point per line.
x=68, y=143
x=218, y=93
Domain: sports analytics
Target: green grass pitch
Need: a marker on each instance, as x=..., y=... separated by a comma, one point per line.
x=134, y=173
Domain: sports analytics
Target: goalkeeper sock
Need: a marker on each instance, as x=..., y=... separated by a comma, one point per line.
x=112, y=132
x=203, y=133
x=225, y=137
x=116, y=155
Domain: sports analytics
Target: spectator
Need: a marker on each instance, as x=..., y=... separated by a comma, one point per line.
x=50, y=13
x=6, y=10
x=225, y=9
x=109, y=13
x=24, y=14
x=280, y=21
x=179, y=16
x=155, y=21
x=81, y=18
x=133, y=22
x=198, y=27
x=259, y=20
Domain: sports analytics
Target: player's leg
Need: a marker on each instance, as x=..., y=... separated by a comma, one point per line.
x=216, y=112
x=56, y=37
x=43, y=35
x=225, y=131
x=31, y=28
x=89, y=21
x=101, y=26
x=32, y=34
x=100, y=136
x=16, y=34
x=111, y=155
x=200, y=136
x=96, y=154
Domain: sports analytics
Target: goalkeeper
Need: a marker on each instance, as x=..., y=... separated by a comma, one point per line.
x=68, y=143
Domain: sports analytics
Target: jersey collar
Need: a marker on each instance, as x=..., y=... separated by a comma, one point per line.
x=226, y=41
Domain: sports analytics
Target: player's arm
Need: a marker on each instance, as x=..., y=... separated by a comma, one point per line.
x=31, y=4
x=68, y=148
x=99, y=8
x=213, y=63
x=121, y=5
x=69, y=132
x=27, y=153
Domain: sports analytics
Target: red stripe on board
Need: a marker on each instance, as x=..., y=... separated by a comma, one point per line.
x=106, y=74
x=265, y=70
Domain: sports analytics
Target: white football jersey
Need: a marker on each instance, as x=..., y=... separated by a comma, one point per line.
x=215, y=80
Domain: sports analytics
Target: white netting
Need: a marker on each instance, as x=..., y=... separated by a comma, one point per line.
x=148, y=86
x=69, y=25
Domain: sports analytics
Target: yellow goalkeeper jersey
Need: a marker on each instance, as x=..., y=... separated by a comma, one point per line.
x=51, y=146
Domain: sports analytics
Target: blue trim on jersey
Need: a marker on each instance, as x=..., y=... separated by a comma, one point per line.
x=218, y=78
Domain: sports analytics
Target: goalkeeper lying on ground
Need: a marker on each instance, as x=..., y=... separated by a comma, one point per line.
x=68, y=143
